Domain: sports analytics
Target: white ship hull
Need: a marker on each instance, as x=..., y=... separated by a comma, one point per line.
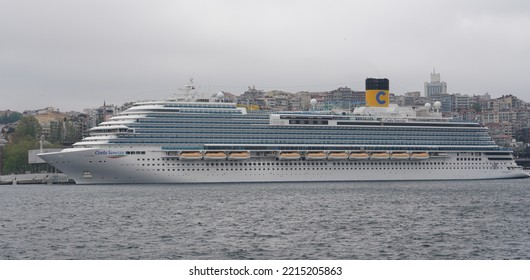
x=99, y=166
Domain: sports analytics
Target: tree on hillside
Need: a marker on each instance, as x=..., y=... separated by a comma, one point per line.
x=71, y=133
x=10, y=117
x=15, y=158
x=27, y=128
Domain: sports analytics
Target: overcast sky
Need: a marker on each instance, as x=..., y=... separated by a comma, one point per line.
x=76, y=54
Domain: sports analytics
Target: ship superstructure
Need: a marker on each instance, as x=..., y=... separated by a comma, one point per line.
x=192, y=142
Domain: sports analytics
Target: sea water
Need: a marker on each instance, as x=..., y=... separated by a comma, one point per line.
x=349, y=220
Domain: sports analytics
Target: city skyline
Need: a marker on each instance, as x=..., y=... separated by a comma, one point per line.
x=76, y=55
x=180, y=94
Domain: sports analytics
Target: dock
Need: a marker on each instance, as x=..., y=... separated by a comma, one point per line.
x=34, y=178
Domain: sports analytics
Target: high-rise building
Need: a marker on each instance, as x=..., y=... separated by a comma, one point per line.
x=436, y=86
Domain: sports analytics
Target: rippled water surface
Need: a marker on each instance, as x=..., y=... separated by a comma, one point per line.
x=402, y=220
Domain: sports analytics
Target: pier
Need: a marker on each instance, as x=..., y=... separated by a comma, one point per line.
x=34, y=178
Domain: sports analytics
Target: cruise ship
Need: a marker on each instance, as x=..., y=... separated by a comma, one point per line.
x=208, y=141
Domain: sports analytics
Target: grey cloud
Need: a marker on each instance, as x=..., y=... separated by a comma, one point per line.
x=75, y=54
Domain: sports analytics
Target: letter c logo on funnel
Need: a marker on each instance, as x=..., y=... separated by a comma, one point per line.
x=378, y=97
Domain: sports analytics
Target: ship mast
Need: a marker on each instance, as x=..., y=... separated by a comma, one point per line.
x=188, y=88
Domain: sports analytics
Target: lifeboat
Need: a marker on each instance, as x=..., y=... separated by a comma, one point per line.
x=359, y=156
x=239, y=155
x=337, y=156
x=215, y=155
x=419, y=156
x=400, y=156
x=190, y=155
x=315, y=156
x=289, y=156
x=380, y=156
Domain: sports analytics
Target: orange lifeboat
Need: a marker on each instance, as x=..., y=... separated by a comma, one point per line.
x=190, y=155
x=359, y=156
x=239, y=155
x=289, y=156
x=315, y=155
x=419, y=156
x=337, y=156
x=379, y=156
x=215, y=155
x=400, y=156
